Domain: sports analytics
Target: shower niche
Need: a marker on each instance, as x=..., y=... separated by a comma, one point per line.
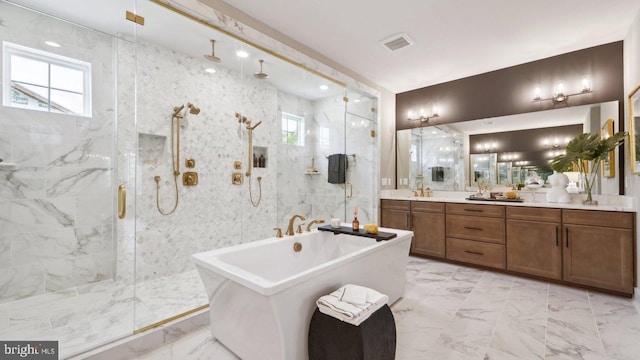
x=150, y=148
x=260, y=156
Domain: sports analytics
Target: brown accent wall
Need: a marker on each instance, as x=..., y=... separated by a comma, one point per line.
x=510, y=90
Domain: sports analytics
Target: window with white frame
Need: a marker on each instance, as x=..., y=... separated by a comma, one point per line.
x=39, y=80
x=292, y=129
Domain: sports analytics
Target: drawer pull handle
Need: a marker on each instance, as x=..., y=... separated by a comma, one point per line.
x=472, y=228
x=473, y=252
x=474, y=210
x=566, y=235
x=557, y=238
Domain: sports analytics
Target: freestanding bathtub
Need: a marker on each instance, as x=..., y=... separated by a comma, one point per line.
x=262, y=294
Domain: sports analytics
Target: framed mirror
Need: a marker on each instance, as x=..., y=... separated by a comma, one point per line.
x=609, y=163
x=634, y=150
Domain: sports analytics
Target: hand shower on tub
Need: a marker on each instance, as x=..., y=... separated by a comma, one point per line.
x=175, y=153
x=247, y=122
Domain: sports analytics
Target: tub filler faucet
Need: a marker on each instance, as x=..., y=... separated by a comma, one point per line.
x=314, y=222
x=291, y=221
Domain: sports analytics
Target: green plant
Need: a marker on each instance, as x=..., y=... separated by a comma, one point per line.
x=584, y=148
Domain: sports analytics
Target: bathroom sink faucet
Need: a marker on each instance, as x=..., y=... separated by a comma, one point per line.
x=291, y=221
x=314, y=222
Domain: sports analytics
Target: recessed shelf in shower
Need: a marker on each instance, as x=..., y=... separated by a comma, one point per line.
x=260, y=156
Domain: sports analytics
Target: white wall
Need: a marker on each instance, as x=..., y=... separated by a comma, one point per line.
x=631, y=80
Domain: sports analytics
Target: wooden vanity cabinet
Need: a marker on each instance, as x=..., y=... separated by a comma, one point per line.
x=428, y=224
x=476, y=234
x=534, y=241
x=598, y=249
x=395, y=214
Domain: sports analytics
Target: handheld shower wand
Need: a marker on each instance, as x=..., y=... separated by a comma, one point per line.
x=175, y=154
x=247, y=122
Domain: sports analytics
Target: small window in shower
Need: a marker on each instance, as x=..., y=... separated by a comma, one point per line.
x=43, y=81
x=292, y=129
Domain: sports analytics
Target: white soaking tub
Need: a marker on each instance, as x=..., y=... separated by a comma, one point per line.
x=262, y=294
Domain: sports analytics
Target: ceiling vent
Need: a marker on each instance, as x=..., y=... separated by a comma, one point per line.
x=396, y=42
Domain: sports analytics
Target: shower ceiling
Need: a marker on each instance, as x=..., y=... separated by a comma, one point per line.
x=164, y=27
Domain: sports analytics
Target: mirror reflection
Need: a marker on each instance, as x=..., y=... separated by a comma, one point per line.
x=501, y=151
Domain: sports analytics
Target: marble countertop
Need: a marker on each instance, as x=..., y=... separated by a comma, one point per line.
x=606, y=202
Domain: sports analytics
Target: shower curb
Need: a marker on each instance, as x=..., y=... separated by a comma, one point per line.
x=136, y=345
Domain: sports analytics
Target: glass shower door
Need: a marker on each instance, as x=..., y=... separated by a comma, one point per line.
x=61, y=274
x=362, y=154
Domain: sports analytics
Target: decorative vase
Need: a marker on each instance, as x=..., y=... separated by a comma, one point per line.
x=558, y=192
x=589, y=181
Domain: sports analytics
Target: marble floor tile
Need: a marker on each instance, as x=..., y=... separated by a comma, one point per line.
x=447, y=312
x=461, y=313
x=197, y=345
x=84, y=317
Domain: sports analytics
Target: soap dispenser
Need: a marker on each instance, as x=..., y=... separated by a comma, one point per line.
x=355, y=225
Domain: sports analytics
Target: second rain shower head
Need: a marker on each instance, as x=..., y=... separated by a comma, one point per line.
x=260, y=75
x=213, y=58
x=193, y=109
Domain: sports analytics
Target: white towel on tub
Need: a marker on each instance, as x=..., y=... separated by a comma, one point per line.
x=351, y=303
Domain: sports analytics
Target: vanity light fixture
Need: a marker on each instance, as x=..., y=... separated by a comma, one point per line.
x=560, y=95
x=324, y=87
x=555, y=143
x=242, y=54
x=423, y=117
x=486, y=147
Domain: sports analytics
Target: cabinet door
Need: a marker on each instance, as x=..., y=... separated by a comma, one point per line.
x=599, y=256
x=428, y=234
x=534, y=248
x=396, y=219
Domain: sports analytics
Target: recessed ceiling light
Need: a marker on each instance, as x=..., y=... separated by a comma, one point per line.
x=52, y=43
x=210, y=70
x=324, y=87
x=356, y=100
x=242, y=54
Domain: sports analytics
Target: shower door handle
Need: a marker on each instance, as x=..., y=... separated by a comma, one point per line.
x=122, y=201
x=350, y=190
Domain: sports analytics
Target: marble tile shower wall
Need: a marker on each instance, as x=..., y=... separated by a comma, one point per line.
x=214, y=213
x=55, y=205
x=313, y=195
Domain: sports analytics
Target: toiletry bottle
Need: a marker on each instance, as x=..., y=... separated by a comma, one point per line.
x=261, y=161
x=255, y=161
x=355, y=224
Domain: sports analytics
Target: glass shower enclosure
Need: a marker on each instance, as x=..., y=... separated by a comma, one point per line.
x=83, y=268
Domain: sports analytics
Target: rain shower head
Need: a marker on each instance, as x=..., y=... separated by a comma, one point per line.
x=193, y=109
x=213, y=58
x=260, y=75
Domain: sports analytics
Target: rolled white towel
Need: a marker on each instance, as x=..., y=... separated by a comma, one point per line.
x=360, y=295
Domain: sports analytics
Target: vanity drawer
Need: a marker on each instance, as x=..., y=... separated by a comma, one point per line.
x=475, y=252
x=476, y=228
x=427, y=206
x=598, y=218
x=476, y=210
x=534, y=214
x=395, y=204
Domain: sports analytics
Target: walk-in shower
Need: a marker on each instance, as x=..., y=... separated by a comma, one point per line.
x=175, y=154
x=71, y=269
